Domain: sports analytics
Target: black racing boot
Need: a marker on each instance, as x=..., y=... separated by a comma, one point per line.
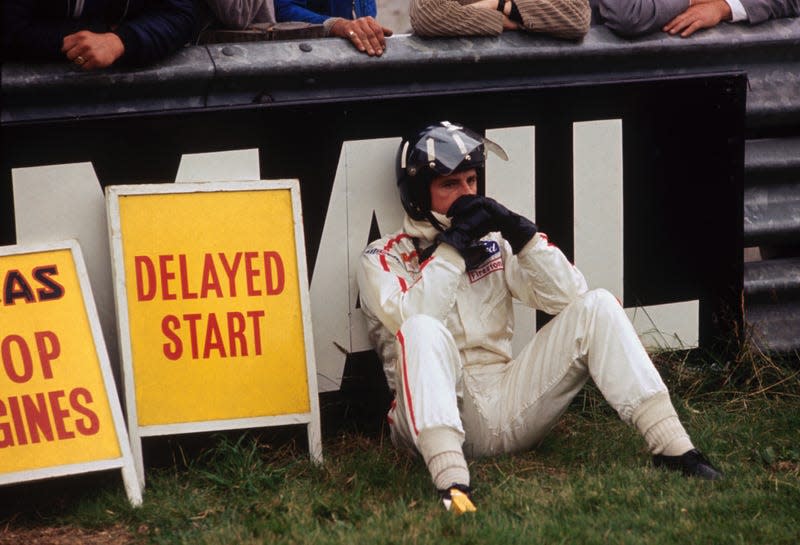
x=457, y=498
x=691, y=464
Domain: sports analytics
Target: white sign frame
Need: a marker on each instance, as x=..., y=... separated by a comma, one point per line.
x=125, y=461
x=136, y=432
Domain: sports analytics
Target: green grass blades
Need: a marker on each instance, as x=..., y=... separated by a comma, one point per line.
x=589, y=482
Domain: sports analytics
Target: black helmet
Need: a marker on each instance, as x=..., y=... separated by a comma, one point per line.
x=437, y=150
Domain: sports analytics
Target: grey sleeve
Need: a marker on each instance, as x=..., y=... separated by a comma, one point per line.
x=239, y=14
x=630, y=18
x=759, y=11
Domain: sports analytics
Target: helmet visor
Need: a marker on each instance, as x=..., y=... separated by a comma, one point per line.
x=448, y=147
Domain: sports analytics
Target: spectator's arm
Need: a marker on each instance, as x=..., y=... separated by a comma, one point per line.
x=630, y=18
x=160, y=29
x=759, y=11
x=700, y=15
x=239, y=14
x=451, y=18
x=561, y=18
x=26, y=36
x=296, y=10
x=737, y=11
x=709, y=13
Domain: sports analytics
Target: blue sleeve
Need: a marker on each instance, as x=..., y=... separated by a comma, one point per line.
x=161, y=27
x=346, y=8
x=366, y=7
x=296, y=10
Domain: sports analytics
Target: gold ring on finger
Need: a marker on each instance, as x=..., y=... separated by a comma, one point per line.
x=79, y=60
x=351, y=33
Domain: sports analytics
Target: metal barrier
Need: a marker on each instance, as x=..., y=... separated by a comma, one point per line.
x=296, y=72
x=228, y=82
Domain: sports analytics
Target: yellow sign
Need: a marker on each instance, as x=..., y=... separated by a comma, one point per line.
x=54, y=407
x=213, y=305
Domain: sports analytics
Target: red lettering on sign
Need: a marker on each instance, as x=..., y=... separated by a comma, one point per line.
x=89, y=425
x=255, y=315
x=213, y=339
x=16, y=418
x=185, y=293
x=210, y=278
x=6, y=439
x=230, y=270
x=236, y=333
x=230, y=335
x=166, y=276
x=174, y=349
x=47, y=355
x=241, y=269
x=251, y=273
x=24, y=357
x=274, y=283
x=48, y=349
x=59, y=414
x=144, y=265
x=192, y=319
x=38, y=417
x=30, y=421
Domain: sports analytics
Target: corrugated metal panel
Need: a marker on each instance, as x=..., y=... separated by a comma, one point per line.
x=772, y=221
x=772, y=160
x=772, y=280
x=776, y=326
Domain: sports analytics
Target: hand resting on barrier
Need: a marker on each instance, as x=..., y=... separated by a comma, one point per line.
x=365, y=33
x=91, y=50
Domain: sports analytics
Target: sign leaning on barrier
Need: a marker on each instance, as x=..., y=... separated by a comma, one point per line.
x=59, y=412
x=213, y=308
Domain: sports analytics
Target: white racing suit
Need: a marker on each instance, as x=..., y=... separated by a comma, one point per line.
x=444, y=336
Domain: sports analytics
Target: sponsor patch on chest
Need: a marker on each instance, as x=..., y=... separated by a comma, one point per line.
x=492, y=264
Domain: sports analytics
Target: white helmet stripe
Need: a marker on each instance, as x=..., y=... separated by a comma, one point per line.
x=451, y=127
x=460, y=143
x=403, y=157
x=431, y=146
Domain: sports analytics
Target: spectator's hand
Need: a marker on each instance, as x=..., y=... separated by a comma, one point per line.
x=91, y=50
x=700, y=14
x=365, y=33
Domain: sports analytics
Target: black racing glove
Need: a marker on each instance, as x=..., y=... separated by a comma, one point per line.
x=517, y=230
x=470, y=222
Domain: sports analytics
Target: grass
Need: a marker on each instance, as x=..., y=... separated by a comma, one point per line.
x=589, y=482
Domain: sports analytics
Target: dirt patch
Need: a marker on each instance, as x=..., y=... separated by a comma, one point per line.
x=66, y=535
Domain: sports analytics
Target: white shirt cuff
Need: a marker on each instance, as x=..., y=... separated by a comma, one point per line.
x=737, y=11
